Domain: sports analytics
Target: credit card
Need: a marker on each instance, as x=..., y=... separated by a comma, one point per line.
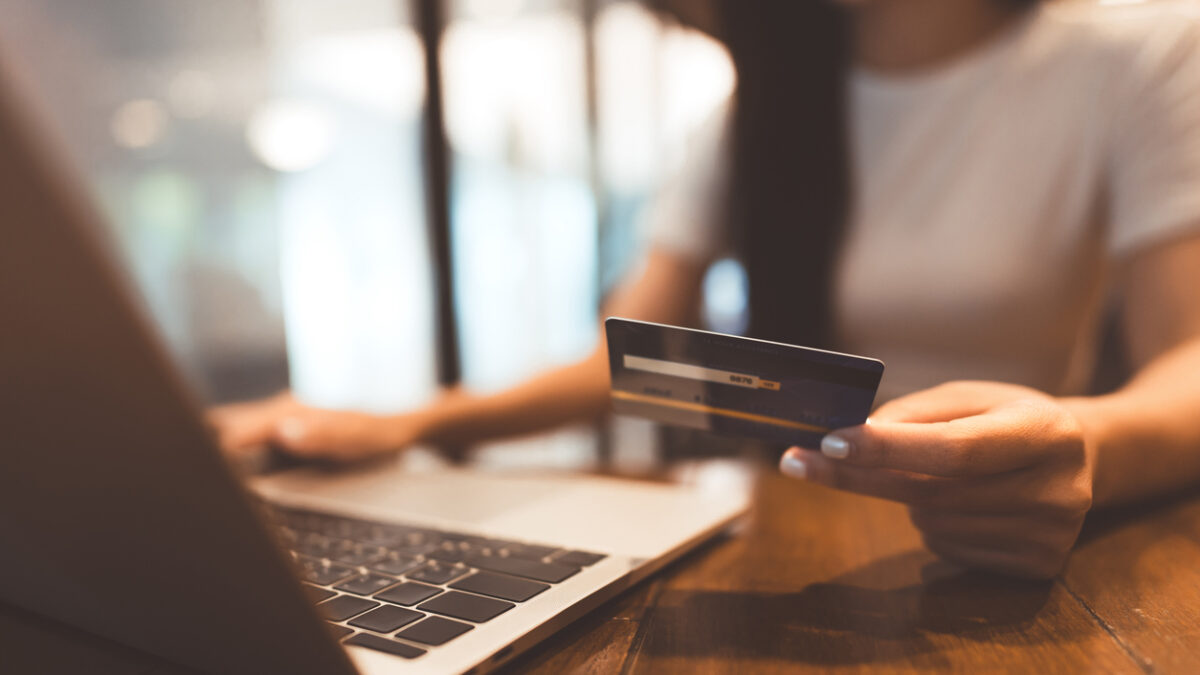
x=737, y=386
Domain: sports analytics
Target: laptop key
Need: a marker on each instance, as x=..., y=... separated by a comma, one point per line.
x=500, y=586
x=444, y=555
x=408, y=593
x=377, y=535
x=528, y=551
x=385, y=619
x=438, y=573
x=579, y=558
x=352, y=553
x=532, y=569
x=466, y=606
x=313, y=545
x=434, y=631
x=323, y=572
x=345, y=606
x=421, y=548
x=395, y=563
x=366, y=584
x=317, y=594
x=339, y=632
x=385, y=645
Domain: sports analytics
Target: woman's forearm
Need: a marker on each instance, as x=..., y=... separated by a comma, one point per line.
x=665, y=291
x=572, y=393
x=1145, y=437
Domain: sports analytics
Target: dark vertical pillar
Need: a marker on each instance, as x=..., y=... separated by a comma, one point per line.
x=430, y=20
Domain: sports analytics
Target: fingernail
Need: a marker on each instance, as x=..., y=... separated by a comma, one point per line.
x=835, y=446
x=291, y=429
x=793, y=467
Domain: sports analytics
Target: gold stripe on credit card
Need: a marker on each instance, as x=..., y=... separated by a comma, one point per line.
x=707, y=409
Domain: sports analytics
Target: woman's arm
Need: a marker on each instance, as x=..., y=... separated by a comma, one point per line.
x=666, y=290
x=1000, y=476
x=1146, y=436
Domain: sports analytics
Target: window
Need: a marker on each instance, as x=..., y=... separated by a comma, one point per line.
x=262, y=166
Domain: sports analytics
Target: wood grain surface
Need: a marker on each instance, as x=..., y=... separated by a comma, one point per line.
x=822, y=581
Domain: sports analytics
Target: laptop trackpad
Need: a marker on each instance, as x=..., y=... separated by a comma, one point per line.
x=394, y=491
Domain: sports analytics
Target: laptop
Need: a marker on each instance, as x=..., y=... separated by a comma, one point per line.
x=119, y=515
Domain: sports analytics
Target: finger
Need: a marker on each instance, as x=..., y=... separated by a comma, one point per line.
x=256, y=407
x=241, y=441
x=328, y=434
x=948, y=401
x=300, y=435
x=907, y=488
x=249, y=424
x=1012, y=559
x=1029, y=490
x=1006, y=438
x=241, y=434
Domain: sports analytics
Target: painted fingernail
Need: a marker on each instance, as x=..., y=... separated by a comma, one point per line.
x=835, y=446
x=793, y=467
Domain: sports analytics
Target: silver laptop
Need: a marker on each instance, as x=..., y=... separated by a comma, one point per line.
x=118, y=514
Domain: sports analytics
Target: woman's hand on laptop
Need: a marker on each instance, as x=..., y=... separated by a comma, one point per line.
x=996, y=476
x=284, y=422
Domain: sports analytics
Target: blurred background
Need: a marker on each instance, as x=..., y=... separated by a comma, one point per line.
x=264, y=166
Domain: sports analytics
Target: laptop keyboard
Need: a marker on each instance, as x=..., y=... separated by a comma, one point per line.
x=404, y=590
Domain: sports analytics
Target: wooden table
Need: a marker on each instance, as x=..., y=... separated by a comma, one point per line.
x=825, y=581
x=819, y=580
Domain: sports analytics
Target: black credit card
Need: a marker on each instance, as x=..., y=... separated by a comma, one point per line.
x=737, y=386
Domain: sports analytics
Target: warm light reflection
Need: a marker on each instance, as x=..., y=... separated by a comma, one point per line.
x=139, y=124
x=515, y=90
x=379, y=69
x=289, y=135
x=494, y=10
x=658, y=84
x=524, y=228
x=355, y=268
x=526, y=237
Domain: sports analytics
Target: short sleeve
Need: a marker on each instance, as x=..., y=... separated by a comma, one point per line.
x=1155, y=170
x=685, y=217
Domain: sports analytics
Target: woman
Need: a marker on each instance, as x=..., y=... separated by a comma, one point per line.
x=954, y=186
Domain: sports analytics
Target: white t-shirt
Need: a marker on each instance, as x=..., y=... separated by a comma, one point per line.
x=995, y=196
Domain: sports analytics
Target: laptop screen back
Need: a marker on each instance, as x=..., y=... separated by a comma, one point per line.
x=117, y=513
